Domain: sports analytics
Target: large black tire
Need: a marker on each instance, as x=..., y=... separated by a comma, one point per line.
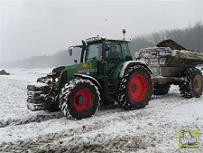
x=135, y=88
x=192, y=86
x=161, y=89
x=80, y=98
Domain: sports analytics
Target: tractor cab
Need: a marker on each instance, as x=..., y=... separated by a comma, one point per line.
x=106, y=49
x=106, y=54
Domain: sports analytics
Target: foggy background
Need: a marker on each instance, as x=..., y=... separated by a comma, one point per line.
x=38, y=33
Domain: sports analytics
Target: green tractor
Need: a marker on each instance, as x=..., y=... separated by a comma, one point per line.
x=105, y=74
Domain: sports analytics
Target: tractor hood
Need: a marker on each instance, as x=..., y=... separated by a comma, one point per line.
x=89, y=68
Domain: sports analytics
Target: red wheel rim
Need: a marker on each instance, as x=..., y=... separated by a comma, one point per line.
x=138, y=87
x=82, y=100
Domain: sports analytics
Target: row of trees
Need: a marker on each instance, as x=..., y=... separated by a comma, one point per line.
x=190, y=38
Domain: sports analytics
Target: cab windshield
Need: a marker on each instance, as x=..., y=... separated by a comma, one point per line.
x=93, y=51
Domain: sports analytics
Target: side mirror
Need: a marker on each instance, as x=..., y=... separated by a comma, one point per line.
x=70, y=51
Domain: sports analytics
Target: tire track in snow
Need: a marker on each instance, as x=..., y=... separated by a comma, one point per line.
x=96, y=124
x=49, y=116
x=46, y=143
x=37, y=118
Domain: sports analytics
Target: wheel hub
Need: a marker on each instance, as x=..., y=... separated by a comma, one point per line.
x=134, y=87
x=197, y=83
x=82, y=100
x=138, y=87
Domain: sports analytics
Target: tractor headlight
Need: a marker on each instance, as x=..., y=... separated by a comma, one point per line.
x=162, y=61
x=56, y=79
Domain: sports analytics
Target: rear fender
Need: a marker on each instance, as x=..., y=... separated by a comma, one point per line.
x=132, y=63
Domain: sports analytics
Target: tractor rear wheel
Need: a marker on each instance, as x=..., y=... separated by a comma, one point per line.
x=80, y=98
x=192, y=86
x=161, y=89
x=135, y=88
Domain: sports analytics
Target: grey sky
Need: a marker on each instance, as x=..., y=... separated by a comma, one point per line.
x=36, y=27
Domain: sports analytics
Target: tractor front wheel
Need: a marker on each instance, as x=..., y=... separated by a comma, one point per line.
x=80, y=98
x=135, y=88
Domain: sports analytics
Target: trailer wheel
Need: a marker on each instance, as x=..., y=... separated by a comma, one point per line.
x=161, y=89
x=80, y=98
x=193, y=84
x=135, y=88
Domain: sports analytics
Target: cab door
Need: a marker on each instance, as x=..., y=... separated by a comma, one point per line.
x=113, y=57
x=92, y=57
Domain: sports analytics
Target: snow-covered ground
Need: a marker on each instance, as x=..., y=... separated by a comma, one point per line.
x=153, y=129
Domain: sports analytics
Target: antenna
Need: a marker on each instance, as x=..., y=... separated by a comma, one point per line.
x=105, y=28
x=124, y=31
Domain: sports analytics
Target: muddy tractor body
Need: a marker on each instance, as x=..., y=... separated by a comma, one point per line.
x=173, y=64
x=105, y=74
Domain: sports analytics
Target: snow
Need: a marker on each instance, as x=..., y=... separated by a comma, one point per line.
x=13, y=93
x=153, y=129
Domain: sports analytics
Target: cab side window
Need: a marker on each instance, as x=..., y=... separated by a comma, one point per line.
x=113, y=57
x=125, y=49
x=114, y=51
